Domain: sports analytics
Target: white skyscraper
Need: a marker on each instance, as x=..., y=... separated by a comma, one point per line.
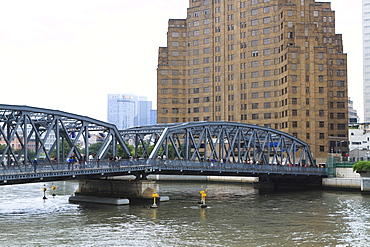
x=127, y=110
x=366, y=51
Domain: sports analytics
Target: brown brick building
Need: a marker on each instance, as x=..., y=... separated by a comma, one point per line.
x=275, y=63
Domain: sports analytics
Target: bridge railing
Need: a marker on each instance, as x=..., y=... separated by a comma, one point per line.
x=161, y=165
x=227, y=167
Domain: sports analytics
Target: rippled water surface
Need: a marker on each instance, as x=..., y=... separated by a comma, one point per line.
x=237, y=215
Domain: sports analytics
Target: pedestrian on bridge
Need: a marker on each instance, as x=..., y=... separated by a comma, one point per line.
x=70, y=162
x=35, y=164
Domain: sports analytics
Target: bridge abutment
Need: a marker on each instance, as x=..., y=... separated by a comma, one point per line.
x=113, y=191
x=365, y=182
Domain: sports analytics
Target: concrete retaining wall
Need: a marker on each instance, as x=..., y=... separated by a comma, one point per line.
x=342, y=183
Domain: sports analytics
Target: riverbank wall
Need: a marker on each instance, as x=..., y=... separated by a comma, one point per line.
x=345, y=179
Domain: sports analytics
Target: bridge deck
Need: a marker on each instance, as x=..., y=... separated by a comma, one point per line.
x=18, y=174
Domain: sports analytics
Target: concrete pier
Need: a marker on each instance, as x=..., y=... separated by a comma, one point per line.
x=365, y=182
x=113, y=191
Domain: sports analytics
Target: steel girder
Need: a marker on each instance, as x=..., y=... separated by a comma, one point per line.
x=226, y=141
x=31, y=128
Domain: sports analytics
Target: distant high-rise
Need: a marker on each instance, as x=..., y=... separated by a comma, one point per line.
x=153, y=117
x=366, y=58
x=352, y=113
x=127, y=110
x=275, y=63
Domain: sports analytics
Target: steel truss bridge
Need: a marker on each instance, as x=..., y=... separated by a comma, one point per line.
x=209, y=148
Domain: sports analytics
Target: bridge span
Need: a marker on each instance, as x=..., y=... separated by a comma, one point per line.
x=49, y=138
x=141, y=168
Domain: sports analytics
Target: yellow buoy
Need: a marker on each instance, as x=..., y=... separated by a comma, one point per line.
x=203, y=195
x=155, y=196
x=44, y=189
x=53, y=189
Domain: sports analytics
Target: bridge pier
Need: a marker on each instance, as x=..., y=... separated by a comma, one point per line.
x=113, y=191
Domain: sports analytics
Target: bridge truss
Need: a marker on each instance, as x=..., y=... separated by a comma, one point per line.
x=57, y=135
x=219, y=141
x=53, y=135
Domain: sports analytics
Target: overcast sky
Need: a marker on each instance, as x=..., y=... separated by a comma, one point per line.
x=68, y=55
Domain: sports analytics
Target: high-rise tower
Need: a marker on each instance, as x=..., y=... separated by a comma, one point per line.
x=127, y=110
x=275, y=63
x=366, y=58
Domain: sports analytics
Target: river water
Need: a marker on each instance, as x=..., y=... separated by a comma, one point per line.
x=237, y=215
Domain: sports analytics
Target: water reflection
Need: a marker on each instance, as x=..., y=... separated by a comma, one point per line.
x=237, y=215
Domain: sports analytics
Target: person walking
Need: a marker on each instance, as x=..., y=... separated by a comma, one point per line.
x=35, y=164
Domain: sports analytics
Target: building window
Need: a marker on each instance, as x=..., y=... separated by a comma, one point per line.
x=175, y=34
x=266, y=20
x=266, y=41
x=254, y=53
x=267, y=83
x=254, y=64
x=340, y=72
x=340, y=94
x=254, y=84
x=340, y=83
x=254, y=95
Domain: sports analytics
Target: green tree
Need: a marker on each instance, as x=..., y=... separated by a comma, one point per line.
x=361, y=166
x=93, y=148
x=2, y=148
x=67, y=148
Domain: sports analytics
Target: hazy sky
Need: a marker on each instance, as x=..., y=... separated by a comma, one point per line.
x=68, y=55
